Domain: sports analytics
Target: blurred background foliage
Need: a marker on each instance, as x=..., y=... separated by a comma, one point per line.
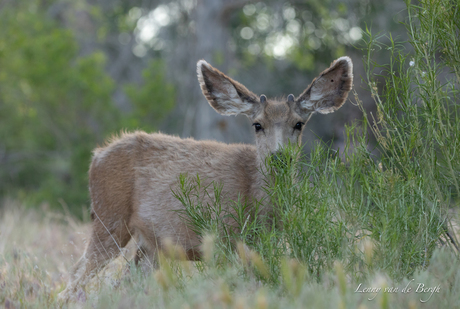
x=73, y=73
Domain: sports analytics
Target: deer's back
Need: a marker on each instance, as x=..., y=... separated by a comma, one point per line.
x=136, y=173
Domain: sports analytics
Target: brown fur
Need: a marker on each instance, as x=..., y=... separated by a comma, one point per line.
x=131, y=178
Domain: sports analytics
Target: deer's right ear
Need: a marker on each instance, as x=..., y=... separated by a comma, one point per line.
x=225, y=95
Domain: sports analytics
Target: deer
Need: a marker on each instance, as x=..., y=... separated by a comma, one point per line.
x=132, y=176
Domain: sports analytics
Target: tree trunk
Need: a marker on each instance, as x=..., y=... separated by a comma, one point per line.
x=208, y=38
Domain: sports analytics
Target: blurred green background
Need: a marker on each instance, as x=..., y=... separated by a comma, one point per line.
x=73, y=73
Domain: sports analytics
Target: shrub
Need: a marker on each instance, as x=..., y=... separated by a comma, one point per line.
x=382, y=207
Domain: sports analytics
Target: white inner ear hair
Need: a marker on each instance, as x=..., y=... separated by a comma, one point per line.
x=231, y=101
x=315, y=97
x=199, y=70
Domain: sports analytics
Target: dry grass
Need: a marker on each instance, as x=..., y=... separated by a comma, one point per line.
x=35, y=252
x=37, y=249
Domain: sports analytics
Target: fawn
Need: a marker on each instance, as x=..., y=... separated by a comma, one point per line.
x=131, y=178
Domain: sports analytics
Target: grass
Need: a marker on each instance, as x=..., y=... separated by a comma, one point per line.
x=37, y=250
x=367, y=227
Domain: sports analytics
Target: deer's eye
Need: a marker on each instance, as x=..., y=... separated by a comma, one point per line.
x=298, y=125
x=257, y=126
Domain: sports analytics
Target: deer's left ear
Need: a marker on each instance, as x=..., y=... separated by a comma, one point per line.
x=329, y=90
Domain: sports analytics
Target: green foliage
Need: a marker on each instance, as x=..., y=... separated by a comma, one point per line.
x=303, y=32
x=51, y=101
x=417, y=131
x=56, y=106
x=373, y=210
x=152, y=100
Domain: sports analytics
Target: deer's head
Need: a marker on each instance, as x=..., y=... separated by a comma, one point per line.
x=277, y=122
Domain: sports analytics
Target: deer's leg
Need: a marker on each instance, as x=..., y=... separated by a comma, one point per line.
x=105, y=244
x=146, y=254
x=146, y=259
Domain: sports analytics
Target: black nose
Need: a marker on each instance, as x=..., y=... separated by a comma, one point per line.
x=277, y=156
x=280, y=158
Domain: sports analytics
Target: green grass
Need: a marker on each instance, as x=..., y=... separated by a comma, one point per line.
x=375, y=215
